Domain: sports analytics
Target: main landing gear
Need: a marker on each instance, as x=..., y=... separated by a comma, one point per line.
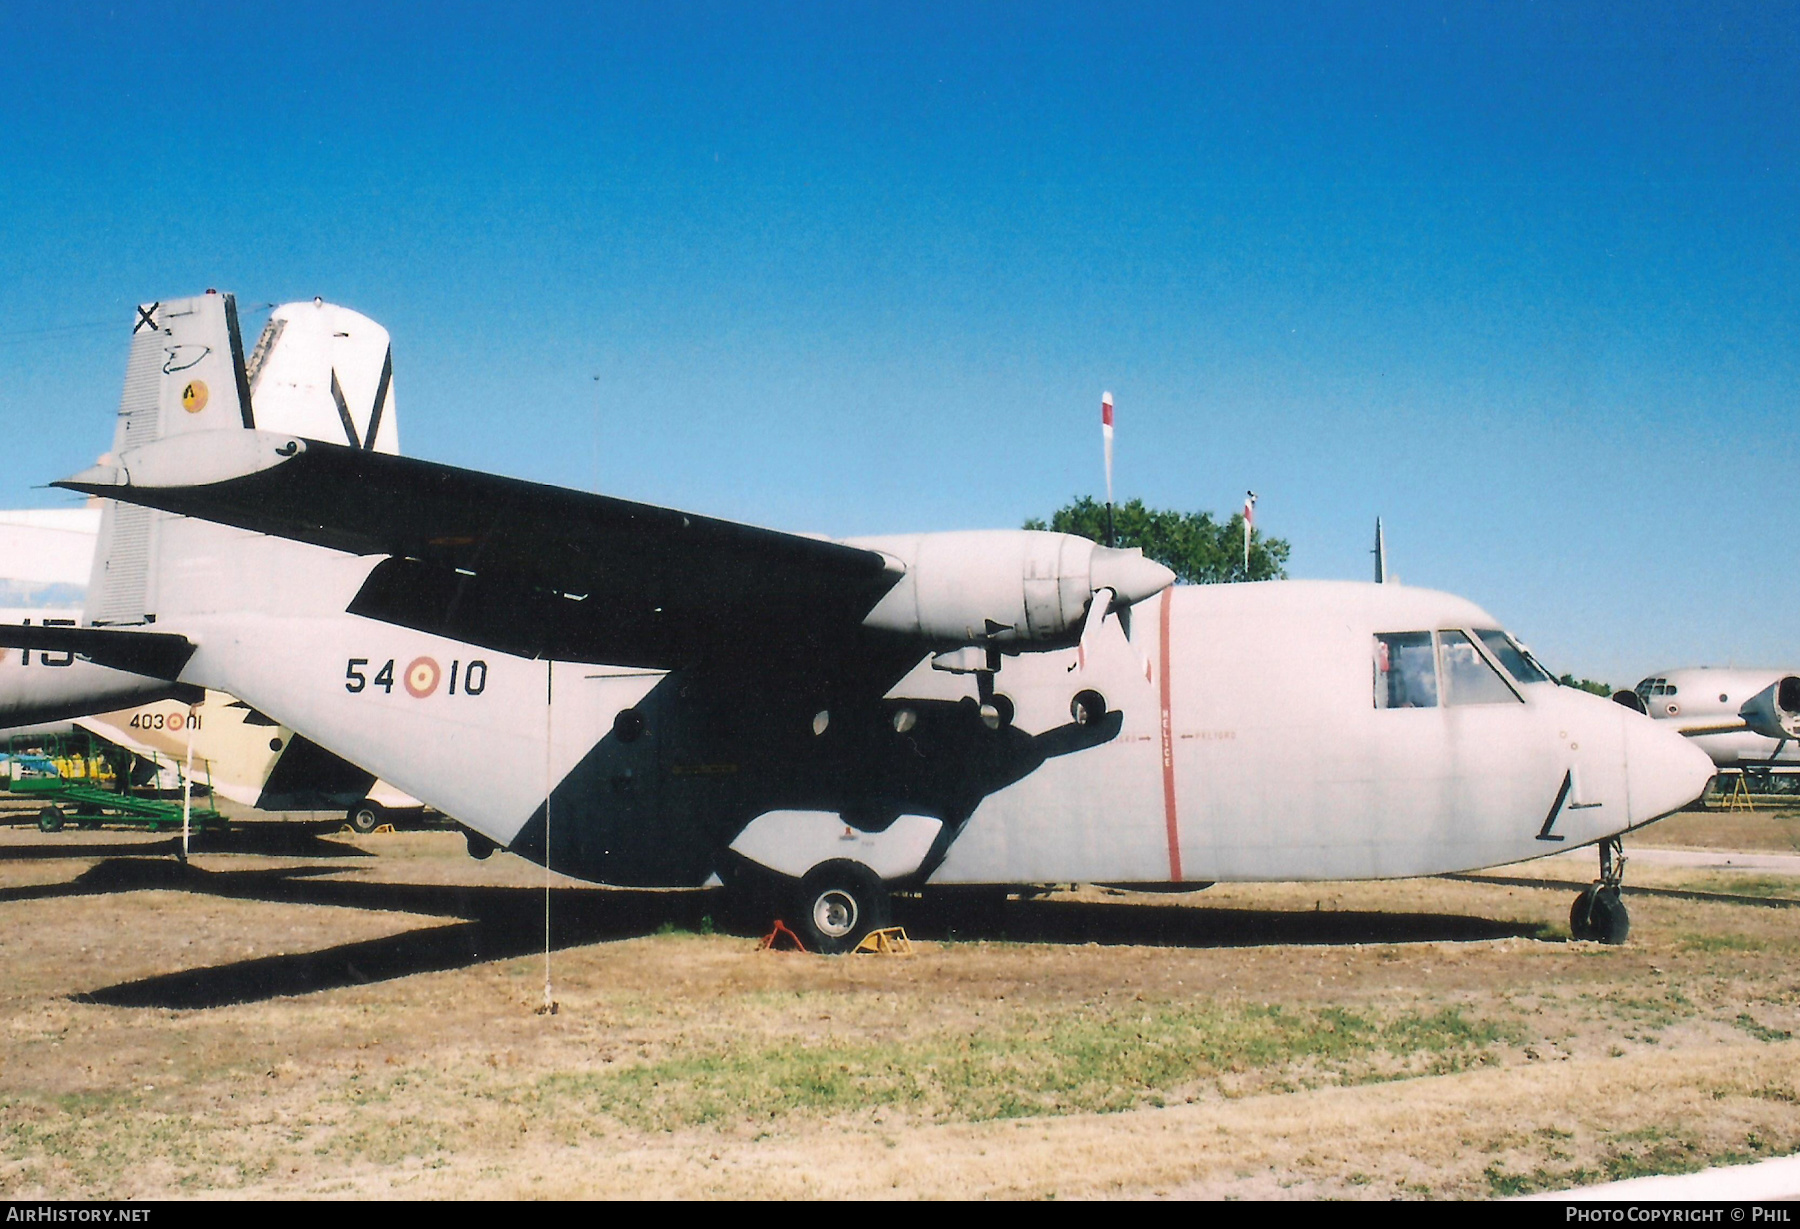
x=837, y=904
x=1599, y=913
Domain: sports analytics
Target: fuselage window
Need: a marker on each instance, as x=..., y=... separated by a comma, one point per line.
x=1468, y=679
x=1405, y=670
x=1517, y=662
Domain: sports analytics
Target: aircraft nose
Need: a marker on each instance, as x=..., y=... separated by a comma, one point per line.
x=1666, y=770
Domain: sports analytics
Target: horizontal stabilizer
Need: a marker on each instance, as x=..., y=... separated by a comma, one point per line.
x=155, y=654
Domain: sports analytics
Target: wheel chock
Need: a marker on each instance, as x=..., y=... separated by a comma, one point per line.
x=781, y=939
x=888, y=941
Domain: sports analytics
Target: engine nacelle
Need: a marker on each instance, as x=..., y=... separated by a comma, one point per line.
x=1017, y=589
x=1774, y=712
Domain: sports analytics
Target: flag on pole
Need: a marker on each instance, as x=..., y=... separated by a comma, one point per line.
x=1106, y=432
x=1249, y=527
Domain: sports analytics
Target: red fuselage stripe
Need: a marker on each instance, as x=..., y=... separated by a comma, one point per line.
x=1168, y=746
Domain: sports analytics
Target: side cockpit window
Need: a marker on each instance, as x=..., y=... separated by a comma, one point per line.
x=1512, y=658
x=1468, y=678
x=1405, y=670
x=1423, y=670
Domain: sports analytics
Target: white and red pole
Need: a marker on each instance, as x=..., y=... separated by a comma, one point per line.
x=1106, y=434
x=1249, y=527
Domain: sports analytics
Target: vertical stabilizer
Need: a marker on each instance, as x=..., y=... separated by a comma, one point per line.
x=318, y=370
x=326, y=373
x=185, y=373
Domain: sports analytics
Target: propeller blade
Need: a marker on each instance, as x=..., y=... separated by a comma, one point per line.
x=1090, y=631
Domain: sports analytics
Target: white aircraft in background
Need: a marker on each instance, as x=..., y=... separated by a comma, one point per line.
x=1746, y=720
x=641, y=696
x=317, y=368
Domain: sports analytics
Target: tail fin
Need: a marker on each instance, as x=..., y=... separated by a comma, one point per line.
x=318, y=370
x=185, y=373
x=326, y=373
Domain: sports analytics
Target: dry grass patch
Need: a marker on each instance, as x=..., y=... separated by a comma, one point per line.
x=1374, y=1051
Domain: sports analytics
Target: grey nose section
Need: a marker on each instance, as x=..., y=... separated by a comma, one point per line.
x=1128, y=574
x=1667, y=771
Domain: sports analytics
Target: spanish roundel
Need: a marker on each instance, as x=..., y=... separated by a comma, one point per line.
x=421, y=677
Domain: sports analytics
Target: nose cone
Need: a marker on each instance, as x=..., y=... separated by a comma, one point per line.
x=1128, y=574
x=1665, y=771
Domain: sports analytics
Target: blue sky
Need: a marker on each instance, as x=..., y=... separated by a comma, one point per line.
x=1521, y=279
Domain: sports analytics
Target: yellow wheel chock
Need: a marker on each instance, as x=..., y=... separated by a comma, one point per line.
x=888, y=941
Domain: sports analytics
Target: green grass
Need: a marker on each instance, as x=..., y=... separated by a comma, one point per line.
x=1761, y=886
x=1720, y=943
x=1643, y=1153
x=1761, y=1032
x=1096, y=1059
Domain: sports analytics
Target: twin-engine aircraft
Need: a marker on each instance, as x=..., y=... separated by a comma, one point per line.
x=642, y=696
x=1746, y=720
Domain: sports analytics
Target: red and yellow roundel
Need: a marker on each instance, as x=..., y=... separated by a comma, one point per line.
x=176, y=721
x=193, y=397
x=422, y=677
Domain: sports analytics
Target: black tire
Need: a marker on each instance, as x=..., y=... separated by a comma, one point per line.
x=50, y=820
x=1581, y=926
x=1599, y=916
x=365, y=817
x=1611, y=921
x=838, y=903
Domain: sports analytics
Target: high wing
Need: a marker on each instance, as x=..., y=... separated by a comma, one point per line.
x=517, y=566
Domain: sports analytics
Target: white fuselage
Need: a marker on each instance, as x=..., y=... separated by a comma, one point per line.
x=1254, y=749
x=1701, y=697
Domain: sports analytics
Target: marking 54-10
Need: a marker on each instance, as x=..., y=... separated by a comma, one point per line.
x=420, y=677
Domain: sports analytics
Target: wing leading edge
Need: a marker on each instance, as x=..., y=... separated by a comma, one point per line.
x=519, y=566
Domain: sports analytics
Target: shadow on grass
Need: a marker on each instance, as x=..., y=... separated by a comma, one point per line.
x=1166, y=925
x=269, y=840
x=495, y=923
x=1574, y=885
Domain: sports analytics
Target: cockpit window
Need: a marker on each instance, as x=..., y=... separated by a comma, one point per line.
x=1405, y=670
x=1506, y=650
x=1468, y=678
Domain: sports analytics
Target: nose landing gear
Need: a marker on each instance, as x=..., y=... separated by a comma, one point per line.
x=1599, y=912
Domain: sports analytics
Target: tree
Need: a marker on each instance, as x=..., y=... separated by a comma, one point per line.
x=1199, y=549
x=1599, y=689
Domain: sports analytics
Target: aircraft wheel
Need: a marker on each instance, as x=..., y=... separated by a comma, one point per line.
x=840, y=902
x=1612, y=924
x=1581, y=926
x=1599, y=915
x=50, y=820
x=365, y=817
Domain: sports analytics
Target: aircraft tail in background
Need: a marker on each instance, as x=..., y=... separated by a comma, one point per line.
x=318, y=370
